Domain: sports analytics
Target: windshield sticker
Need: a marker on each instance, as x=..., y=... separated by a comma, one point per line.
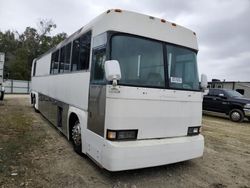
x=177, y=80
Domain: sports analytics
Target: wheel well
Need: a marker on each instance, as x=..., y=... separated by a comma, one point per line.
x=72, y=119
x=234, y=107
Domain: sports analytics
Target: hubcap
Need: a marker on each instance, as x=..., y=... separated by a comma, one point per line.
x=235, y=116
x=76, y=134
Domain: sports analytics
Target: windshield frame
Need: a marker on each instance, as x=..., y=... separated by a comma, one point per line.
x=112, y=34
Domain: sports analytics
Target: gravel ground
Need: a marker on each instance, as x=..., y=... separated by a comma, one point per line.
x=34, y=154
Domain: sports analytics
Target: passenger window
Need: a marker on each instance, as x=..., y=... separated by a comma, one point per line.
x=81, y=52
x=67, y=58
x=34, y=69
x=62, y=59
x=99, y=58
x=54, y=62
x=217, y=92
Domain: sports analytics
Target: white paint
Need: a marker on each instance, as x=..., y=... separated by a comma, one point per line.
x=118, y=156
x=71, y=88
x=156, y=113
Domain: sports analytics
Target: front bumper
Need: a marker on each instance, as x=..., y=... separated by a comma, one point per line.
x=247, y=112
x=148, y=153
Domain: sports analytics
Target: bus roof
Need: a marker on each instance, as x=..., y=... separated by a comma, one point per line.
x=136, y=24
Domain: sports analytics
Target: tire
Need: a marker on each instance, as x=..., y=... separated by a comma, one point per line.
x=34, y=103
x=2, y=96
x=236, y=115
x=76, y=137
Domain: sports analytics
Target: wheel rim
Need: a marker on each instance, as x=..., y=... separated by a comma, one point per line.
x=235, y=116
x=76, y=134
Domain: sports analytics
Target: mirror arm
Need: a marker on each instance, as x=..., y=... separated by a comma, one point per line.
x=114, y=83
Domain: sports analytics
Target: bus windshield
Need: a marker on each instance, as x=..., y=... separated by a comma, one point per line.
x=142, y=63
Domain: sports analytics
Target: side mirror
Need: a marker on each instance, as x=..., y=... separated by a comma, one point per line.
x=112, y=71
x=203, y=81
x=221, y=95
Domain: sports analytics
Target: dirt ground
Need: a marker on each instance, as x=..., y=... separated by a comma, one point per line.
x=34, y=154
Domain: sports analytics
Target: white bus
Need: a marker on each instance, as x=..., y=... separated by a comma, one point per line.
x=125, y=90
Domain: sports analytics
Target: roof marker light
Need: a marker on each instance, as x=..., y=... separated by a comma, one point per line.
x=174, y=24
x=118, y=10
x=163, y=21
x=151, y=17
x=194, y=33
x=108, y=11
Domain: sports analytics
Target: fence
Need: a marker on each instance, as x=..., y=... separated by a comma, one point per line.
x=17, y=86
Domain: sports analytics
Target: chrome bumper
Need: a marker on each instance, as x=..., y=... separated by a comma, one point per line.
x=247, y=112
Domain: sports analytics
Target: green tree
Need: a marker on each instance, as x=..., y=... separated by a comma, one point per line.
x=21, y=49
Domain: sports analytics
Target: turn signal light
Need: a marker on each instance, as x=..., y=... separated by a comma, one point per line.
x=122, y=134
x=193, y=131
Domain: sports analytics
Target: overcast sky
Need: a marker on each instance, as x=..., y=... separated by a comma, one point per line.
x=222, y=26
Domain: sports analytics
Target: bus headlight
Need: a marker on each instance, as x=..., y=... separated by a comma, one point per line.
x=193, y=131
x=122, y=134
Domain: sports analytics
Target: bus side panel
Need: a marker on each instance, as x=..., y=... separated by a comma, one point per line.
x=70, y=88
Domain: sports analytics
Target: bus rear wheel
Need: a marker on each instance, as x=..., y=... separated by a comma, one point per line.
x=76, y=137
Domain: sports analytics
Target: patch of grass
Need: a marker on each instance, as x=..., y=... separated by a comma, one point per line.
x=18, y=137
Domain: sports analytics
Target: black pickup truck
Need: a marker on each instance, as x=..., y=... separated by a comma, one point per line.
x=229, y=102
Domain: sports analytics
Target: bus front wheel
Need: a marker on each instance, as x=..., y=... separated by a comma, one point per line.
x=76, y=137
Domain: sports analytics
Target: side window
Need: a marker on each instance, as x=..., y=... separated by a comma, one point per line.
x=99, y=58
x=62, y=59
x=211, y=92
x=67, y=58
x=54, y=62
x=75, y=54
x=241, y=91
x=217, y=92
x=81, y=52
x=34, y=69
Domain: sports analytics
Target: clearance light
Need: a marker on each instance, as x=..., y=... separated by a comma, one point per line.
x=163, y=21
x=174, y=24
x=193, y=131
x=118, y=10
x=122, y=134
x=108, y=11
x=194, y=33
x=151, y=17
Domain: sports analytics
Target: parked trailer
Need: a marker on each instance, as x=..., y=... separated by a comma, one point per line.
x=2, y=91
x=125, y=90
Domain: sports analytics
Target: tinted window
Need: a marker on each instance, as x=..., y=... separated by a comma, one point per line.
x=99, y=57
x=34, y=69
x=54, y=62
x=62, y=59
x=233, y=93
x=67, y=58
x=216, y=92
x=81, y=52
